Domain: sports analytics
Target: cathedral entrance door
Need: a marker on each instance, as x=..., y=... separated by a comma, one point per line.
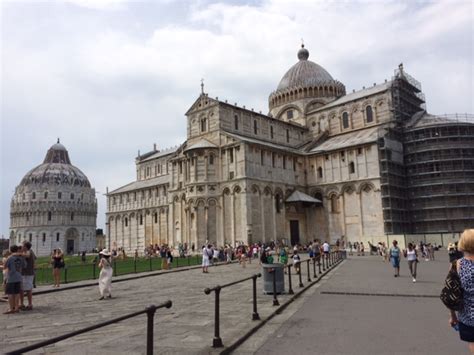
x=70, y=246
x=294, y=232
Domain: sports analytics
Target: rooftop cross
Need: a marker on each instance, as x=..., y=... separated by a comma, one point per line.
x=202, y=86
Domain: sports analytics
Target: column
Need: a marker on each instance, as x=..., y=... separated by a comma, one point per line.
x=221, y=220
x=232, y=204
x=273, y=217
x=262, y=217
x=361, y=219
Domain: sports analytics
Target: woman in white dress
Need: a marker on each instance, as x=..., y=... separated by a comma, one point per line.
x=105, y=277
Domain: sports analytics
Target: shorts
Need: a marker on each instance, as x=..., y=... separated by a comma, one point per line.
x=28, y=282
x=395, y=261
x=13, y=288
x=466, y=332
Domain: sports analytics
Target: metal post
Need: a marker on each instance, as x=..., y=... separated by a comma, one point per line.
x=290, y=289
x=314, y=268
x=307, y=269
x=217, y=341
x=275, y=300
x=319, y=263
x=255, y=315
x=150, y=314
x=299, y=274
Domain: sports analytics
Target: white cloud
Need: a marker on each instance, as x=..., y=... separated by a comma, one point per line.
x=112, y=82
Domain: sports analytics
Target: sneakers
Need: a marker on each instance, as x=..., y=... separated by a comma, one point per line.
x=414, y=280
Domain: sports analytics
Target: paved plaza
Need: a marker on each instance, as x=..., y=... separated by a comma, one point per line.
x=363, y=309
x=186, y=328
x=357, y=308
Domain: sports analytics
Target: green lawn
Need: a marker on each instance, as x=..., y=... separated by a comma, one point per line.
x=76, y=270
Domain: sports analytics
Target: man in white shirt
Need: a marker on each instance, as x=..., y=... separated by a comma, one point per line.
x=326, y=249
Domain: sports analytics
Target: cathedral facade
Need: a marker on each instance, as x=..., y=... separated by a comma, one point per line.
x=322, y=164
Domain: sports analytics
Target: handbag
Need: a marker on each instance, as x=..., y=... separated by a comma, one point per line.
x=452, y=292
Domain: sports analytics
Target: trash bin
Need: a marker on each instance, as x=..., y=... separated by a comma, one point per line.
x=268, y=271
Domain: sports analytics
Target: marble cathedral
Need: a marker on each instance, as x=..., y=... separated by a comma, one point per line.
x=322, y=164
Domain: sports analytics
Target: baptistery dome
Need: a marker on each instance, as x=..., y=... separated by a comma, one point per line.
x=54, y=206
x=56, y=169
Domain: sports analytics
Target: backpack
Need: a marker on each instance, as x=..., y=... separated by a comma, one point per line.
x=452, y=293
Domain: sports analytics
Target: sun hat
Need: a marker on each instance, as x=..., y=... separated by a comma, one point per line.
x=105, y=252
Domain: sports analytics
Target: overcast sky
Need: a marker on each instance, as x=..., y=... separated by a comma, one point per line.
x=112, y=77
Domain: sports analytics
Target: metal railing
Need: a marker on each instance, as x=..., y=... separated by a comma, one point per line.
x=150, y=312
x=217, y=341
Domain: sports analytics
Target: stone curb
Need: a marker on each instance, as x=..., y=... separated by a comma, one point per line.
x=253, y=330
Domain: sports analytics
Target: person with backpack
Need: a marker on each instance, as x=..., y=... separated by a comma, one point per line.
x=463, y=320
x=395, y=258
x=206, y=256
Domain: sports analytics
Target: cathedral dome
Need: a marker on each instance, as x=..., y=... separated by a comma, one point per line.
x=305, y=73
x=56, y=170
x=304, y=84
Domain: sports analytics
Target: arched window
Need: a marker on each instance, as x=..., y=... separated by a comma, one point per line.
x=126, y=222
x=271, y=132
x=46, y=195
x=345, y=120
x=287, y=136
x=203, y=125
x=49, y=216
x=255, y=127
x=72, y=196
x=141, y=219
x=351, y=168
x=334, y=207
x=57, y=237
x=369, y=114
x=211, y=159
x=72, y=216
x=156, y=217
x=33, y=195
x=60, y=195
x=236, y=122
x=289, y=114
x=320, y=172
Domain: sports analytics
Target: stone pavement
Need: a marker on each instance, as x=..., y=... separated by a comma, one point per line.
x=186, y=328
x=363, y=309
